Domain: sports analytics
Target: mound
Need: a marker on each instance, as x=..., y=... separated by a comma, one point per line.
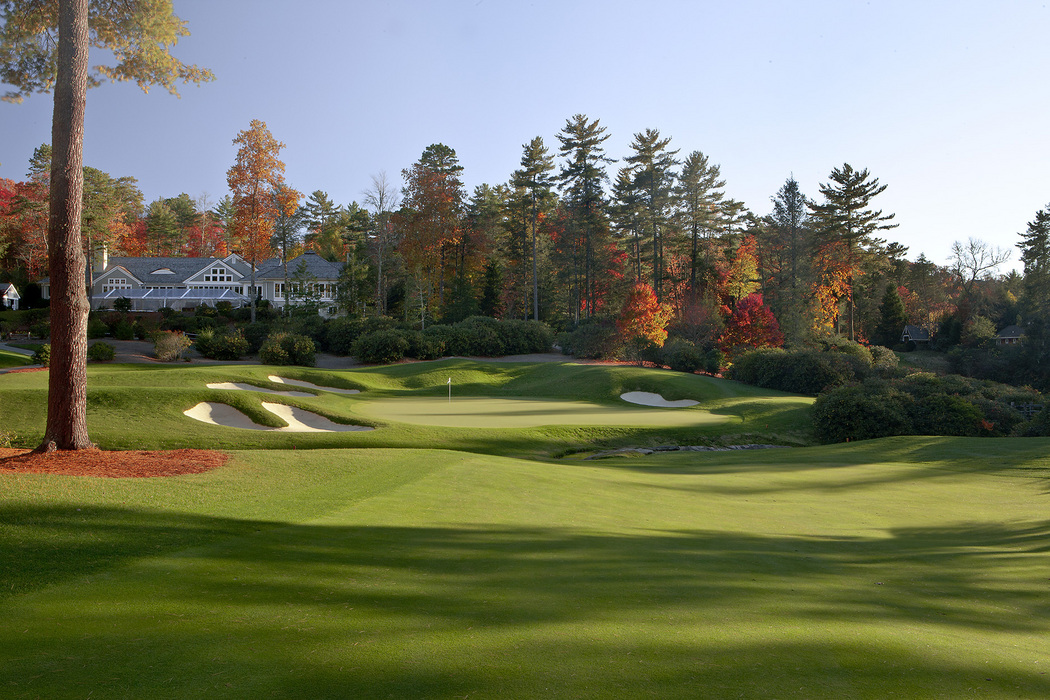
x=298, y=420
x=298, y=382
x=237, y=386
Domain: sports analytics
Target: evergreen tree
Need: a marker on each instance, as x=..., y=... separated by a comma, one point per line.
x=587, y=233
x=652, y=174
x=322, y=218
x=1035, y=254
x=534, y=178
x=699, y=192
x=844, y=217
x=892, y=318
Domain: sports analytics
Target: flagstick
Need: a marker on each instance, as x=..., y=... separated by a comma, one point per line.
x=450, y=390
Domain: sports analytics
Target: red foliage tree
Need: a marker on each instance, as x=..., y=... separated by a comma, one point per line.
x=752, y=325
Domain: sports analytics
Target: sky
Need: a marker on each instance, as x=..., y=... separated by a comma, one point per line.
x=946, y=103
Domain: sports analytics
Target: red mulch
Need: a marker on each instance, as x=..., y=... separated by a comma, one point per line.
x=131, y=463
x=27, y=369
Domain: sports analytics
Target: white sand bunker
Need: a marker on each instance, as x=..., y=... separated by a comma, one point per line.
x=298, y=420
x=297, y=382
x=251, y=387
x=645, y=398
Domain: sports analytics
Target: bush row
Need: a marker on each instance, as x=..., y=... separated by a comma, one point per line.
x=476, y=336
x=812, y=371
x=924, y=404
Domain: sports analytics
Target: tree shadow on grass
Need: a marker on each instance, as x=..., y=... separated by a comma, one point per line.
x=254, y=608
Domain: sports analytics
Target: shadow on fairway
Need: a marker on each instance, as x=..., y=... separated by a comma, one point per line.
x=327, y=611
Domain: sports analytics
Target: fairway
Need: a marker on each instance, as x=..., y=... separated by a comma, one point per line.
x=489, y=412
x=435, y=558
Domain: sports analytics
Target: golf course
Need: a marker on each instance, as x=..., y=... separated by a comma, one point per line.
x=437, y=530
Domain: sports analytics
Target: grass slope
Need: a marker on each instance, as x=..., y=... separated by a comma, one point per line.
x=908, y=567
x=12, y=359
x=140, y=407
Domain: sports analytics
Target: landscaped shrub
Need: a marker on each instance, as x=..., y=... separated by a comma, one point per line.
x=799, y=371
x=256, y=334
x=169, y=346
x=682, y=356
x=42, y=355
x=123, y=304
x=41, y=329
x=596, y=340
x=101, y=352
x=97, y=328
x=124, y=330
x=221, y=345
x=921, y=404
x=381, y=347
x=341, y=333
x=283, y=348
x=525, y=337
x=883, y=359
x=424, y=346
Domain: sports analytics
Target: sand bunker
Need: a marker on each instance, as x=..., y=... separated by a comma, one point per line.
x=645, y=398
x=251, y=387
x=296, y=382
x=298, y=420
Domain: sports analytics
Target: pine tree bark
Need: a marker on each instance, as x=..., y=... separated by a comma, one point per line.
x=67, y=382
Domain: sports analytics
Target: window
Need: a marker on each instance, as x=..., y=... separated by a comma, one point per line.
x=114, y=283
x=218, y=274
x=278, y=290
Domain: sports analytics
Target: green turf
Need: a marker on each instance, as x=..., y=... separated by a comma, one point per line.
x=867, y=570
x=518, y=412
x=12, y=359
x=904, y=567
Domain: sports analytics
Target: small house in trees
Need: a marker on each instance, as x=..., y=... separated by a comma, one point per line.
x=1011, y=335
x=8, y=296
x=915, y=334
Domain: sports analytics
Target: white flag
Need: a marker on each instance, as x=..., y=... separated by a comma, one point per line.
x=449, y=380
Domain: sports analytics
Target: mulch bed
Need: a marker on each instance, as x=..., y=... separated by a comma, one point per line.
x=113, y=464
x=27, y=369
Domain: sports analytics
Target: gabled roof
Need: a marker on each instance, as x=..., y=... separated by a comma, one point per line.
x=118, y=269
x=316, y=267
x=1010, y=332
x=215, y=262
x=145, y=269
x=8, y=289
x=915, y=333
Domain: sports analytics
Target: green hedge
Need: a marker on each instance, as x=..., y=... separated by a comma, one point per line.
x=284, y=348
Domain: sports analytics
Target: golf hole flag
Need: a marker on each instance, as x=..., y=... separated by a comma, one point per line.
x=450, y=389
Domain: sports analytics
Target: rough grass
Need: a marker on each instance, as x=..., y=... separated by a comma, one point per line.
x=907, y=567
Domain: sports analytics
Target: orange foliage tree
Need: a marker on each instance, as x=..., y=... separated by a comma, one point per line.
x=643, y=318
x=752, y=325
x=253, y=179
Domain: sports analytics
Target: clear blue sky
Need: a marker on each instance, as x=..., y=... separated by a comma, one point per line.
x=945, y=102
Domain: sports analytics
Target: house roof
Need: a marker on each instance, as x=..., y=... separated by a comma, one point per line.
x=316, y=267
x=1010, y=332
x=152, y=270
x=8, y=288
x=915, y=333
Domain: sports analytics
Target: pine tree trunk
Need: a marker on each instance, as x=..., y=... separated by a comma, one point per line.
x=67, y=382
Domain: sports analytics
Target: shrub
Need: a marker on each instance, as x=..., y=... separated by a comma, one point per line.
x=861, y=412
x=424, y=346
x=124, y=330
x=101, y=352
x=169, y=346
x=381, y=347
x=222, y=345
x=42, y=355
x=283, y=348
x=256, y=334
x=682, y=356
x=224, y=308
x=525, y=337
x=41, y=329
x=123, y=304
x=97, y=328
x=884, y=359
x=800, y=371
x=595, y=340
x=341, y=333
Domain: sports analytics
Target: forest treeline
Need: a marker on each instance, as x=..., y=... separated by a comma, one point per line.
x=571, y=238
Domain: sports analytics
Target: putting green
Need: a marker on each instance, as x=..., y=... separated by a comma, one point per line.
x=478, y=412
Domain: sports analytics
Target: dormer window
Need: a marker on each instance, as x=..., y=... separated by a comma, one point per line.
x=163, y=271
x=218, y=274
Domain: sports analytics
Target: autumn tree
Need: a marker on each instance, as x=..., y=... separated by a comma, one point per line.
x=288, y=223
x=253, y=181
x=643, y=319
x=430, y=220
x=137, y=36
x=844, y=216
x=751, y=325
